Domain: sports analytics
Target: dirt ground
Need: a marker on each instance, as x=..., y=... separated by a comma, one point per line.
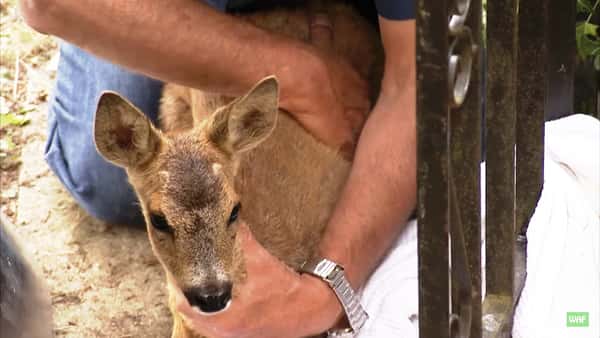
x=103, y=279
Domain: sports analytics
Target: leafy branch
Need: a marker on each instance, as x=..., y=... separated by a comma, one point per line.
x=587, y=33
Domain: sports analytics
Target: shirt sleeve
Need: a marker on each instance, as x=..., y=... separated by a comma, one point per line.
x=396, y=9
x=220, y=5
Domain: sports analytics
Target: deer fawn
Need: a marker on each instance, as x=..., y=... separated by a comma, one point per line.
x=218, y=161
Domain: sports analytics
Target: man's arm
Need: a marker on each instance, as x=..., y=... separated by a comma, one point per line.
x=381, y=190
x=187, y=42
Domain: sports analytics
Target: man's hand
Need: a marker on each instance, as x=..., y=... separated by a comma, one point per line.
x=334, y=104
x=274, y=301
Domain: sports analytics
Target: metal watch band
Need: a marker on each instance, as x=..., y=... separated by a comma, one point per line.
x=340, y=333
x=333, y=274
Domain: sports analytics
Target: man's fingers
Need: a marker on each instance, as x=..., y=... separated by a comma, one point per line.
x=257, y=258
x=355, y=95
x=245, y=234
x=321, y=31
x=247, y=239
x=356, y=118
x=254, y=253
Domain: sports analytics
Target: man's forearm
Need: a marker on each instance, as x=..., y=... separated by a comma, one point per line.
x=381, y=190
x=182, y=41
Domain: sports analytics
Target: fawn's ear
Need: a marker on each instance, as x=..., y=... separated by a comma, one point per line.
x=124, y=135
x=247, y=121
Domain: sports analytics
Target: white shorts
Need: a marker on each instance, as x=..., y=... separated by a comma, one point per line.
x=563, y=254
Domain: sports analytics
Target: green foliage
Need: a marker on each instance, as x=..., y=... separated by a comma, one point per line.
x=11, y=119
x=584, y=6
x=587, y=33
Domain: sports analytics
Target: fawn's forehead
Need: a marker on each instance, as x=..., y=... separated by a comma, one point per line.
x=194, y=174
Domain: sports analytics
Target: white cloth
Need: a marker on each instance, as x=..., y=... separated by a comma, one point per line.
x=563, y=270
x=391, y=296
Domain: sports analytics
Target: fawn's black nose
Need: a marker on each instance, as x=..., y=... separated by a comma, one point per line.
x=209, y=298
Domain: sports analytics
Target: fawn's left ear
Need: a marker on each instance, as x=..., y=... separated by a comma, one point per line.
x=247, y=121
x=123, y=134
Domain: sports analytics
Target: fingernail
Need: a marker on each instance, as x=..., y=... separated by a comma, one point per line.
x=244, y=231
x=321, y=19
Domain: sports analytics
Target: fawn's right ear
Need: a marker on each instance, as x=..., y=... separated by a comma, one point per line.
x=124, y=135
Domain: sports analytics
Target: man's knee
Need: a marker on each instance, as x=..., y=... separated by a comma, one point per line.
x=98, y=186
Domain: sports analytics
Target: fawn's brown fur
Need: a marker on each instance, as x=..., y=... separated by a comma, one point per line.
x=214, y=152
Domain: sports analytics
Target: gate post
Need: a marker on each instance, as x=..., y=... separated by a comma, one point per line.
x=432, y=167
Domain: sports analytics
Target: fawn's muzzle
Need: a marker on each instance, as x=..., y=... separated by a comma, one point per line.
x=210, y=298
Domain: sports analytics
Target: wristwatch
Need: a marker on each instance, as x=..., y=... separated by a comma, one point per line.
x=333, y=274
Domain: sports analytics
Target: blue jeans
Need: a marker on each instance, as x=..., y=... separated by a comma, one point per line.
x=99, y=187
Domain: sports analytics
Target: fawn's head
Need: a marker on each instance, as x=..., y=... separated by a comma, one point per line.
x=185, y=184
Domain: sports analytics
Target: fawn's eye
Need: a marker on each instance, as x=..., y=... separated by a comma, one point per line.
x=160, y=223
x=234, y=214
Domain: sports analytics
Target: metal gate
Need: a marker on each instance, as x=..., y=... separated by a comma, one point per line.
x=530, y=48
